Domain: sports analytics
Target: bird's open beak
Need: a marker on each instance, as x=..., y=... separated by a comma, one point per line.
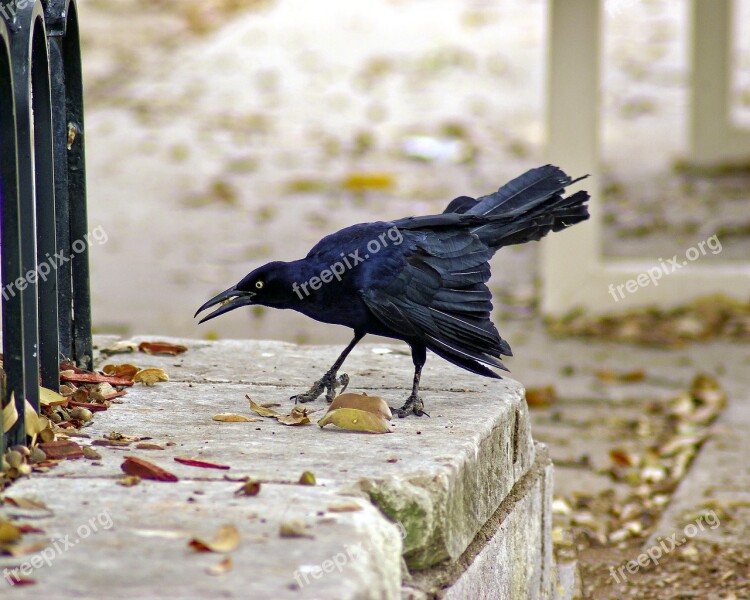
x=229, y=300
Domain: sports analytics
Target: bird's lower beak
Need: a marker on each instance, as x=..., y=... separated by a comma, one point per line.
x=228, y=300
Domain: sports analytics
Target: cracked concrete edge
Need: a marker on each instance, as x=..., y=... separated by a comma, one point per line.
x=465, y=576
x=466, y=497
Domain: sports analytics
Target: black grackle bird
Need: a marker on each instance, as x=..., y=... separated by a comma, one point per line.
x=419, y=279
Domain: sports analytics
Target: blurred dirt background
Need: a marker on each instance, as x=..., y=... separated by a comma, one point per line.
x=222, y=134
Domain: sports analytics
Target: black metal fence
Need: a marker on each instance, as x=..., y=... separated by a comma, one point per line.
x=46, y=307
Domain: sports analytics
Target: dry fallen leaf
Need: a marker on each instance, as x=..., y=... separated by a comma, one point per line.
x=250, y=488
x=192, y=462
x=356, y=420
x=609, y=376
x=307, y=478
x=223, y=566
x=9, y=532
x=120, y=347
x=372, y=404
x=150, y=376
x=162, y=348
x=51, y=398
x=263, y=412
x=129, y=480
x=148, y=446
x=23, y=502
x=146, y=470
x=294, y=528
x=125, y=370
x=298, y=416
x=61, y=449
x=10, y=414
x=232, y=418
x=226, y=540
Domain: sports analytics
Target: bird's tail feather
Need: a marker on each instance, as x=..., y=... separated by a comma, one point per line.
x=529, y=207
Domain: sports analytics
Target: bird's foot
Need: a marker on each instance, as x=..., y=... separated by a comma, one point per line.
x=413, y=405
x=328, y=383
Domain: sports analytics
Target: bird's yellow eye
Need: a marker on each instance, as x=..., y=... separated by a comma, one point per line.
x=259, y=285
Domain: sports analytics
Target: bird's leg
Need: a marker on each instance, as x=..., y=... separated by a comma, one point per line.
x=414, y=404
x=330, y=381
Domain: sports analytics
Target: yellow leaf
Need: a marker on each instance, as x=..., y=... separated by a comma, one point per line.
x=298, y=416
x=356, y=420
x=263, y=412
x=226, y=540
x=8, y=532
x=50, y=398
x=150, y=376
x=10, y=414
x=372, y=404
x=232, y=418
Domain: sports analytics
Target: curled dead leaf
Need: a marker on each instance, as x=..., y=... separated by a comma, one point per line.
x=307, y=478
x=300, y=415
x=372, y=404
x=353, y=419
x=121, y=347
x=227, y=539
x=150, y=376
x=251, y=487
x=125, y=370
x=262, y=411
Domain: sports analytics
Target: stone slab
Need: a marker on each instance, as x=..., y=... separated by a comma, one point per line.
x=451, y=471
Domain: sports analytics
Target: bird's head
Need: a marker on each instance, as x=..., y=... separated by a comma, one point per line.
x=267, y=285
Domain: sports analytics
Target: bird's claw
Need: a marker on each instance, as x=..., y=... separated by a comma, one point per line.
x=413, y=405
x=328, y=383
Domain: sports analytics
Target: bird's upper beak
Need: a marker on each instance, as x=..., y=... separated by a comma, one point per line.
x=229, y=300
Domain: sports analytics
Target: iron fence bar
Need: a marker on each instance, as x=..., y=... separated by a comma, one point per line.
x=76, y=158
x=46, y=225
x=10, y=252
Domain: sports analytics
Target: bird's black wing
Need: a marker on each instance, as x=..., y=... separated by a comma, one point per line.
x=432, y=290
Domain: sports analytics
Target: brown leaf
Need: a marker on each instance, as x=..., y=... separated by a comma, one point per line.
x=541, y=397
x=232, y=418
x=294, y=528
x=226, y=540
x=609, y=376
x=298, y=416
x=371, y=404
x=162, y=348
x=263, y=412
x=199, y=463
x=223, y=566
x=144, y=469
x=356, y=420
x=92, y=406
x=61, y=449
x=623, y=458
x=250, y=488
x=93, y=378
x=123, y=371
x=150, y=376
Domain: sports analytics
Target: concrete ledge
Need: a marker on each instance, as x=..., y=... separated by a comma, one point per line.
x=440, y=478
